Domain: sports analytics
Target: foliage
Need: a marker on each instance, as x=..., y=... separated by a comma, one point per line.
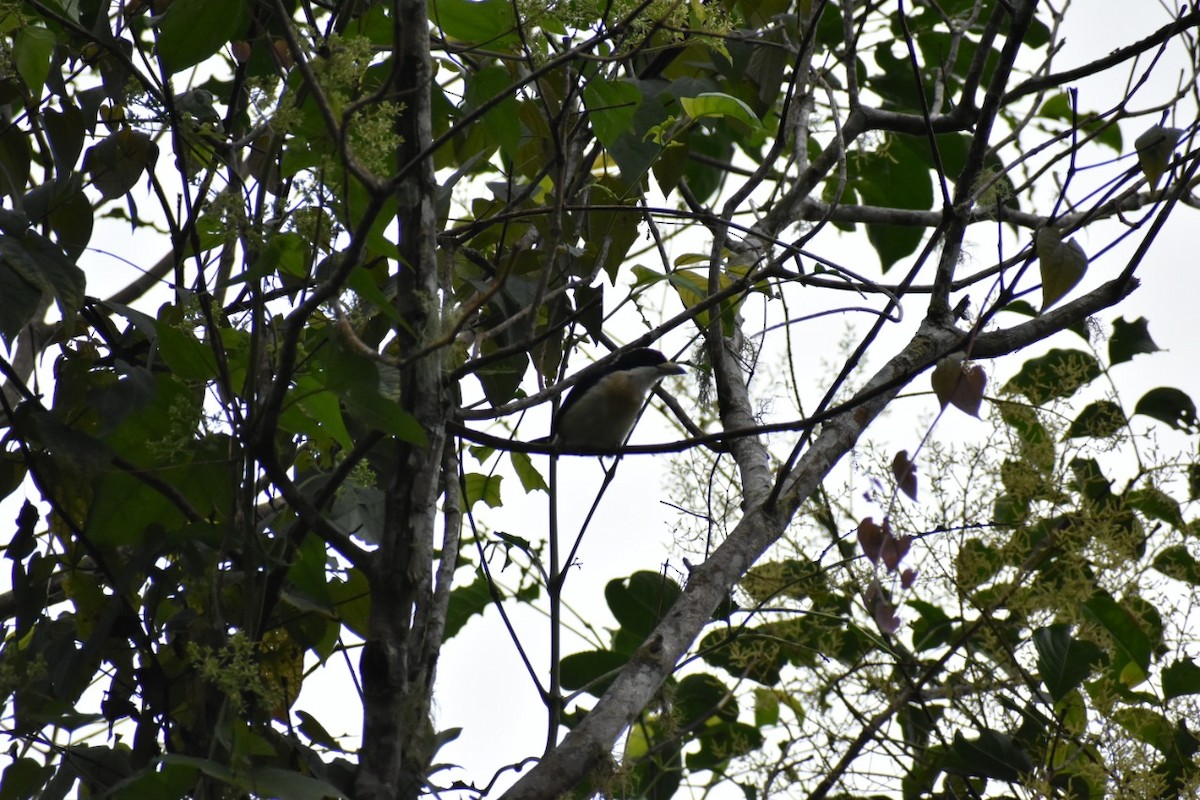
x=1046, y=642
x=383, y=232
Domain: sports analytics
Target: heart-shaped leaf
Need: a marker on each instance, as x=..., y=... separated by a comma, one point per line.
x=1063, y=265
x=1154, y=150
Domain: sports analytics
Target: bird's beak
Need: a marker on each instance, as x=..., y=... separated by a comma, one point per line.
x=671, y=368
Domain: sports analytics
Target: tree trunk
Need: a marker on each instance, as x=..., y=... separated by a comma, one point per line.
x=399, y=660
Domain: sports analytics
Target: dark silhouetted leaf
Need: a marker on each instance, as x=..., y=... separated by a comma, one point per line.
x=1177, y=562
x=117, y=162
x=1168, y=405
x=701, y=697
x=640, y=601
x=594, y=669
x=1129, y=339
x=1180, y=678
x=1097, y=421
x=993, y=755
x=932, y=628
x=1156, y=504
x=1063, y=661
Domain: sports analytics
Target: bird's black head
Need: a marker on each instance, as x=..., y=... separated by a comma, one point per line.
x=625, y=362
x=641, y=357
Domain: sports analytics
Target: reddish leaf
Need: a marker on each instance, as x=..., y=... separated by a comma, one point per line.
x=905, y=473
x=871, y=538
x=960, y=383
x=894, y=549
x=882, y=610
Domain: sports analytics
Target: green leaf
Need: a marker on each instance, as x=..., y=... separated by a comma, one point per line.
x=1059, y=373
x=30, y=265
x=501, y=379
x=489, y=22
x=1062, y=264
x=1063, y=661
x=1131, y=641
x=32, y=48
x=193, y=30
x=1180, y=678
x=362, y=383
x=894, y=176
x=766, y=707
x=611, y=107
x=976, y=562
x=21, y=296
x=15, y=158
x=483, y=487
x=1098, y=420
x=640, y=601
x=1023, y=308
x=1177, y=562
x=723, y=742
x=1154, y=150
x=1058, y=107
x=117, y=162
x=1129, y=339
x=1157, y=504
x=932, y=628
x=24, y=777
x=992, y=755
x=716, y=104
x=71, y=220
x=1169, y=405
x=316, y=413
x=702, y=696
x=594, y=669
x=610, y=234
x=1147, y=726
x=279, y=782
x=502, y=120
x=692, y=287
x=531, y=479
x=352, y=599
x=187, y=356
x=466, y=602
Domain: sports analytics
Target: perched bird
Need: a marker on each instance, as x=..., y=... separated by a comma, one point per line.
x=601, y=409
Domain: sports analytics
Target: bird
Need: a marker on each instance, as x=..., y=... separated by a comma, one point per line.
x=603, y=406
